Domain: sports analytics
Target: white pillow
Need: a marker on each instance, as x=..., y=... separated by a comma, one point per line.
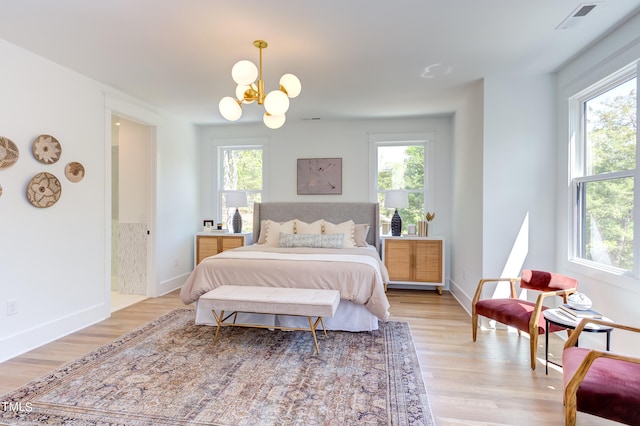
x=346, y=228
x=309, y=228
x=273, y=230
x=263, y=232
x=360, y=232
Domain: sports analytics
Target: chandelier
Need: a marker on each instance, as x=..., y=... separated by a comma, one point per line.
x=249, y=90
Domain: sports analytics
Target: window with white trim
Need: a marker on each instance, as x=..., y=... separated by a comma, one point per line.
x=401, y=165
x=604, y=174
x=240, y=170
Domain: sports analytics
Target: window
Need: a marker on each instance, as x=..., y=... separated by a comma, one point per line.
x=604, y=174
x=401, y=165
x=240, y=169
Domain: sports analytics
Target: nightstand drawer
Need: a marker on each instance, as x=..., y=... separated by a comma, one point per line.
x=209, y=244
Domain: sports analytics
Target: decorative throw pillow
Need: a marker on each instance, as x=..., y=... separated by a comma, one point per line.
x=309, y=228
x=360, y=232
x=311, y=240
x=346, y=228
x=273, y=230
x=263, y=232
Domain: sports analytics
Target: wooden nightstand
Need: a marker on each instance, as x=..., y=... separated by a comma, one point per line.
x=211, y=243
x=418, y=261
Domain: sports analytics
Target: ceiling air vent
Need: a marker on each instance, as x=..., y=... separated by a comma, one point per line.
x=576, y=16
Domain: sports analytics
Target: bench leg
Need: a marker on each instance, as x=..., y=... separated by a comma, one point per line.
x=219, y=320
x=323, y=327
x=312, y=328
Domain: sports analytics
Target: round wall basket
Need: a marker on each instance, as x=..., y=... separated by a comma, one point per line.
x=44, y=190
x=46, y=149
x=8, y=152
x=74, y=171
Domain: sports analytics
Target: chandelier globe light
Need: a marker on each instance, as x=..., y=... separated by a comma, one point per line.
x=276, y=103
x=292, y=85
x=230, y=109
x=250, y=88
x=273, y=121
x=244, y=72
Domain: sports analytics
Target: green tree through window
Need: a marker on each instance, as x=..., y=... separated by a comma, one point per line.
x=240, y=169
x=402, y=166
x=606, y=190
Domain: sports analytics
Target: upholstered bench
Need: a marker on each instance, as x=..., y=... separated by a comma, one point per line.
x=305, y=302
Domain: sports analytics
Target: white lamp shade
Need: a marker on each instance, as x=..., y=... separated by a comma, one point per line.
x=273, y=121
x=244, y=72
x=291, y=84
x=276, y=102
x=396, y=199
x=229, y=108
x=236, y=199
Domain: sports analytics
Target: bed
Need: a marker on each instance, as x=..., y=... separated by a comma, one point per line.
x=281, y=256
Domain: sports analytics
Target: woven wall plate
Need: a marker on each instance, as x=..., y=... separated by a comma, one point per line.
x=8, y=152
x=46, y=149
x=44, y=190
x=74, y=171
x=0, y=190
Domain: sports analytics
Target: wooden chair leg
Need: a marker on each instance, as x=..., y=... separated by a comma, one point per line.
x=474, y=325
x=570, y=410
x=533, y=340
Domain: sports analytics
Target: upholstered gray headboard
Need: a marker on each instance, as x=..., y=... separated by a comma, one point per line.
x=309, y=212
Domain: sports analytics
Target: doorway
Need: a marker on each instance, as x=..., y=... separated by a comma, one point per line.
x=130, y=210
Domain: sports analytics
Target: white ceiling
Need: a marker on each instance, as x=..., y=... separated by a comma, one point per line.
x=355, y=58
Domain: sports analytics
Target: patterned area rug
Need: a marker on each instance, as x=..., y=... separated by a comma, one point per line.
x=168, y=373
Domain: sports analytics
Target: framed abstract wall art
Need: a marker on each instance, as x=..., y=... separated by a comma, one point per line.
x=319, y=176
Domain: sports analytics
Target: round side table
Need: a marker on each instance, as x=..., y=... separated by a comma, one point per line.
x=557, y=317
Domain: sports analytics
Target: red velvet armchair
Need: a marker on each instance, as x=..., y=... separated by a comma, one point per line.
x=604, y=384
x=521, y=314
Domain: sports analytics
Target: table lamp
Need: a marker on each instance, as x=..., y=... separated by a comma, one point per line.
x=396, y=199
x=237, y=199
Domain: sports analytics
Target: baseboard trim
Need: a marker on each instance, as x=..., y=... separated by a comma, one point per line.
x=27, y=340
x=463, y=299
x=170, y=285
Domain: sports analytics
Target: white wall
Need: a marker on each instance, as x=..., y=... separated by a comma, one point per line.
x=178, y=202
x=519, y=174
x=467, y=196
x=617, y=296
x=504, y=181
x=348, y=140
x=56, y=262
x=51, y=259
x=134, y=142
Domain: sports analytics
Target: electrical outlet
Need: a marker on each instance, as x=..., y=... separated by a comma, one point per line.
x=12, y=307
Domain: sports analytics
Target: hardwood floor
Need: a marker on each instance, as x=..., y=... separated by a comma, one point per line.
x=484, y=383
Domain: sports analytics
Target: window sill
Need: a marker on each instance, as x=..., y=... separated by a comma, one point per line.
x=611, y=276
